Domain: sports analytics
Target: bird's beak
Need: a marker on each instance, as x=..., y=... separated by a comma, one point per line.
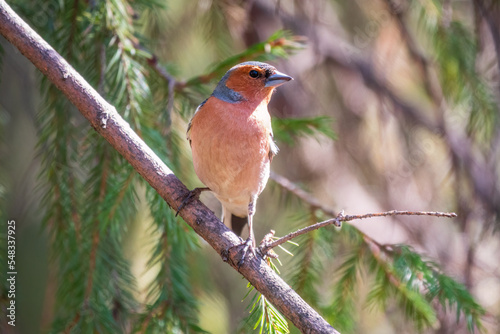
x=277, y=79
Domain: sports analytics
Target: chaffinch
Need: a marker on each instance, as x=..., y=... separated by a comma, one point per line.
x=232, y=141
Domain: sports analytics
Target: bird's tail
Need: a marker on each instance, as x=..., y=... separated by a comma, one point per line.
x=237, y=224
x=234, y=222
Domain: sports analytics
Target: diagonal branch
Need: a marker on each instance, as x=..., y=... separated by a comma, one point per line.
x=488, y=14
x=313, y=202
x=108, y=123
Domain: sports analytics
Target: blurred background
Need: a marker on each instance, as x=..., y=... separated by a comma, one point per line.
x=394, y=106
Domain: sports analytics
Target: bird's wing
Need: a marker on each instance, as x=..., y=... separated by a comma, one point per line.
x=188, y=132
x=273, y=148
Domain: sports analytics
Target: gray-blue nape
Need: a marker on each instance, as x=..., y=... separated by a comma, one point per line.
x=226, y=94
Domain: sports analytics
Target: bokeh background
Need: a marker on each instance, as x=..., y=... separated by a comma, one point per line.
x=411, y=94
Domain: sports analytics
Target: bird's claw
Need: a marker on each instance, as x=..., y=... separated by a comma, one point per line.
x=193, y=194
x=225, y=255
x=248, y=246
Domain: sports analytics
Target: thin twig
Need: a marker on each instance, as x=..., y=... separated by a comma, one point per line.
x=375, y=248
x=401, y=213
x=337, y=221
x=313, y=202
x=161, y=71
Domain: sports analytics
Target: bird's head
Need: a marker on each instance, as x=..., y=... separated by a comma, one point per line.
x=249, y=81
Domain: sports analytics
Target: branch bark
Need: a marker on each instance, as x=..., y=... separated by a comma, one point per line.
x=107, y=122
x=337, y=221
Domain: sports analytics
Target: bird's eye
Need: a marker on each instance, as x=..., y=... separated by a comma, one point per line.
x=254, y=73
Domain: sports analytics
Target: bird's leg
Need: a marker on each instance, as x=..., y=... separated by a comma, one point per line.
x=193, y=194
x=250, y=242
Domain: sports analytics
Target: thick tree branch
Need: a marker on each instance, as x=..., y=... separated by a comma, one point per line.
x=107, y=122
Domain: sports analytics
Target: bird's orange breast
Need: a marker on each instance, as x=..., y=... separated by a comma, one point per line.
x=230, y=145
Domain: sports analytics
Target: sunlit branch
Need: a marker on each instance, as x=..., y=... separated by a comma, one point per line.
x=337, y=221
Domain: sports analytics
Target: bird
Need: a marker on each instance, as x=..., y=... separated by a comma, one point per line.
x=232, y=142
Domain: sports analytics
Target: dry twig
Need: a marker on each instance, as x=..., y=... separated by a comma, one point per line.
x=337, y=221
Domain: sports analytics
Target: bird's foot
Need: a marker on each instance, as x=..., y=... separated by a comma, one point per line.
x=192, y=195
x=248, y=247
